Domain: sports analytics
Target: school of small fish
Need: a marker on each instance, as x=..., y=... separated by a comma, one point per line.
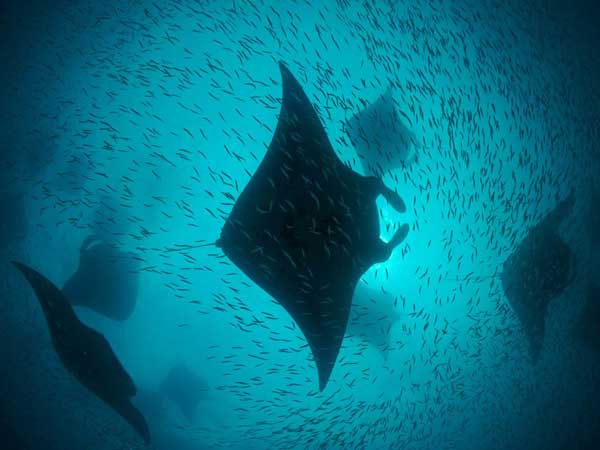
x=144, y=120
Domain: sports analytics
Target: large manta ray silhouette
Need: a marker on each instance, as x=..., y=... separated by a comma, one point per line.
x=538, y=271
x=85, y=353
x=306, y=227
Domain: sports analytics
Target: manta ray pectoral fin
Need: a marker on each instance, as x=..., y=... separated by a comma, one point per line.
x=30, y=274
x=55, y=306
x=377, y=186
x=385, y=249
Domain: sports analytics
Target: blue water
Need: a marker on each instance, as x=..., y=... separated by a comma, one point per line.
x=123, y=117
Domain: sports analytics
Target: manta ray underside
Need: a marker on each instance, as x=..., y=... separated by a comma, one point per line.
x=372, y=317
x=185, y=389
x=106, y=280
x=538, y=271
x=306, y=227
x=85, y=353
x=379, y=136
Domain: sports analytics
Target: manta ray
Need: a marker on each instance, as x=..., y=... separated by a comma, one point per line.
x=154, y=406
x=379, y=136
x=306, y=227
x=372, y=316
x=537, y=271
x=106, y=280
x=85, y=353
x=185, y=389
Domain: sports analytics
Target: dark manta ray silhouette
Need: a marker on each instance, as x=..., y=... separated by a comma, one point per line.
x=85, y=353
x=537, y=271
x=184, y=388
x=380, y=138
x=372, y=317
x=306, y=227
x=105, y=281
x=587, y=328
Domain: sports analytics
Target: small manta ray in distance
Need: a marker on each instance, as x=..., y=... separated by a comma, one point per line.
x=106, y=280
x=85, y=353
x=372, y=317
x=537, y=271
x=306, y=227
x=185, y=389
x=379, y=136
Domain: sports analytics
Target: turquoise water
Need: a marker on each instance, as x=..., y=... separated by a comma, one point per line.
x=134, y=119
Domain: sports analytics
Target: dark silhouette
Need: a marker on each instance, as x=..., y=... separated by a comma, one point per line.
x=538, y=271
x=381, y=140
x=106, y=280
x=184, y=388
x=85, y=353
x=306, y=227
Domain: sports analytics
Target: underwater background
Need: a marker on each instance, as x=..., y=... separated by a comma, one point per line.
x=142, y=120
